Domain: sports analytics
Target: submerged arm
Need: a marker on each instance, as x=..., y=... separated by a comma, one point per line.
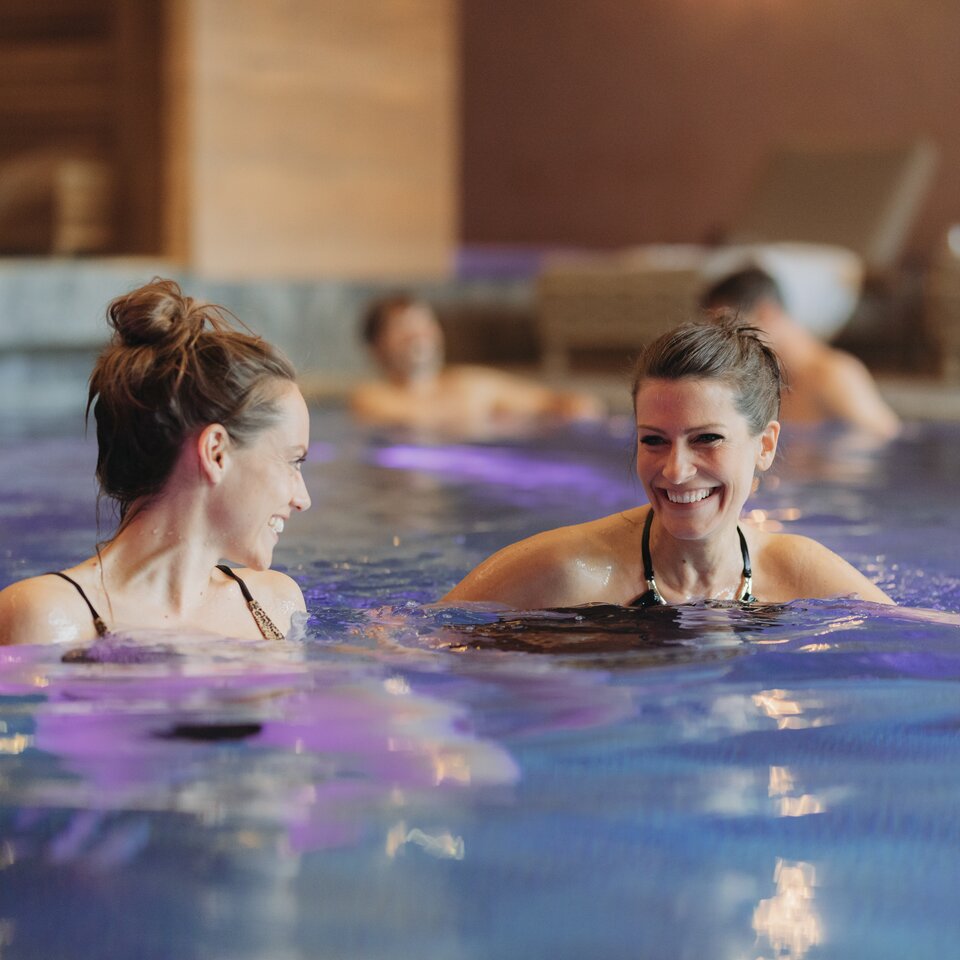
x=524, y=397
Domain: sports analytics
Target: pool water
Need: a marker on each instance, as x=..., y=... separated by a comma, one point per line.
x=404, y=780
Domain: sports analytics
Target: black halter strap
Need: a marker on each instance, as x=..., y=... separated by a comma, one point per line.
x=652, y=596
x=98, y=623
x=244, y=589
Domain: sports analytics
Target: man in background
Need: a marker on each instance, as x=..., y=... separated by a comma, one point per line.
x=824, y=384
x=418, y=389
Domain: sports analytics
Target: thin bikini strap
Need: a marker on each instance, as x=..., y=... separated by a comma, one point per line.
x=651, y=597
x=265, y=625
x=645, y=549
x=746, y=595
x=98, y=623
x=223, y=568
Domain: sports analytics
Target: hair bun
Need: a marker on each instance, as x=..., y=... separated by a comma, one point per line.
x=157, y=314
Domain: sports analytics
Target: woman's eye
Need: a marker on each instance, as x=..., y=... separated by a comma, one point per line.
x=709, y=438
x=298, y=464
x=652, y=440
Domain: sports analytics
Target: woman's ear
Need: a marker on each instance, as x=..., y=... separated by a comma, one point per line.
x=213, y=451
x=768, y=445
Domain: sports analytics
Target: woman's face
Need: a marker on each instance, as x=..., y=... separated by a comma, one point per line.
x=266, y=485
x=696, y=456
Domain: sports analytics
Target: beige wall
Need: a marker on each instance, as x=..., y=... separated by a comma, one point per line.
x=314, y=138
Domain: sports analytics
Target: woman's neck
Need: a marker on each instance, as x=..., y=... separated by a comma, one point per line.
x=165, y=550
x=697, y=569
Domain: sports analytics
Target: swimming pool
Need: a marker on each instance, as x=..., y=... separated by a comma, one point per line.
x=404, y=781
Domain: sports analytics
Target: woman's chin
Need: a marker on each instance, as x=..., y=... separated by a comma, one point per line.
x=690, y=524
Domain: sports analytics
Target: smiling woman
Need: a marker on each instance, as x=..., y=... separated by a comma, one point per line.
x=201, y=433
x=706, y=398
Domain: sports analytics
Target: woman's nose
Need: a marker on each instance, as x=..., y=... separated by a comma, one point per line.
x=679, y=466
x=300, y=499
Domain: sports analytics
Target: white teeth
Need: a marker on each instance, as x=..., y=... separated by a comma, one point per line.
x=276, y=524
x=687, y=496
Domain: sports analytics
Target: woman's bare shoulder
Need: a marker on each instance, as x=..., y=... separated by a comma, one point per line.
x=279, y=594
x=272, y=585
x=550, y=569
x=44, y=609
x=794, y=566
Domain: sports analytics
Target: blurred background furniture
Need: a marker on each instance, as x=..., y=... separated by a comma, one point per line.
x=608, y=303
x=823, y=222
x=865, y=199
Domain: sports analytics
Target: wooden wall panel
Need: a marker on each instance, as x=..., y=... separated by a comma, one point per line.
x=323, y=137
x=80, y=137
x=618, y=122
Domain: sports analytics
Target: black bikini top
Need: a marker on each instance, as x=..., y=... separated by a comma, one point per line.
x=266, y=626
x=651, y=596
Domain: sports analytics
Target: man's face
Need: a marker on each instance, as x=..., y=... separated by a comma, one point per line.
x=411, y=342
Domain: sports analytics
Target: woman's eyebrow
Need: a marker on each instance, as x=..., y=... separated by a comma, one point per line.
x=697, y=429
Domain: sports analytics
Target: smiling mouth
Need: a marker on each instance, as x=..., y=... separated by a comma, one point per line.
x=689, y=496
x=276, y=525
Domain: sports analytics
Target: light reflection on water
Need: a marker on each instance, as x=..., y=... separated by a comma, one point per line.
x=778, y=781
x=788, y=921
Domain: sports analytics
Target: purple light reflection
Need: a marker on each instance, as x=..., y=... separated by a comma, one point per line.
x=500, y=466
x=320, y=452
x=344, y=740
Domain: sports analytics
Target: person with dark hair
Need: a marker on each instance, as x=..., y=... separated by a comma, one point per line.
x=707, y=402
x=417, y=389
x=201, y=433
x=825, y=384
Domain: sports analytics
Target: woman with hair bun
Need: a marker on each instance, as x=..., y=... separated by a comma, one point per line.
x=201, y=434
x=707, y=403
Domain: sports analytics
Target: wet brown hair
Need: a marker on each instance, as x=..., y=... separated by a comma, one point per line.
x=173, y=366
x=723, y=348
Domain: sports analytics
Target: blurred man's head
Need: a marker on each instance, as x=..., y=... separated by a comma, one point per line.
x=751, y=294
x=404, y=336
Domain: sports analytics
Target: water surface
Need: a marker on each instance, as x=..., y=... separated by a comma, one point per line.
x=403, y=780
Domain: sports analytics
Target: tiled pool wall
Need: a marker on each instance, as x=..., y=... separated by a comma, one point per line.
x=52, y=325
x=52, y=320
